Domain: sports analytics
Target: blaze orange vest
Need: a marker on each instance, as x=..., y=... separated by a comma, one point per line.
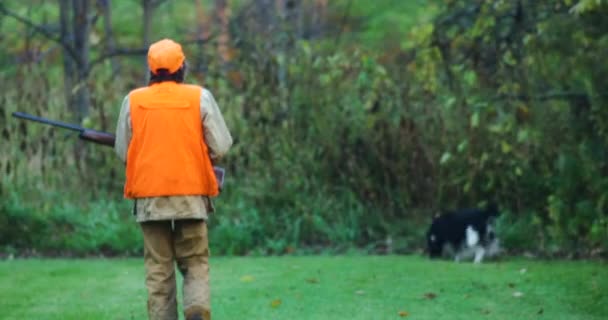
x=167, y=155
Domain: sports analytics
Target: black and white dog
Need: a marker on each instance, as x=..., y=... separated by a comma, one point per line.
x=467, y=232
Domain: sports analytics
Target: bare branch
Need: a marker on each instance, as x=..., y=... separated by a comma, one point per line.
x=140, y=51
x=118, y=52
x=200, y=40
x=43, y=31
x=156, y=3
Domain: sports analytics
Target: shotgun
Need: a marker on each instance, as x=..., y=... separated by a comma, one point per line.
x=100, y=137
x=104, y=138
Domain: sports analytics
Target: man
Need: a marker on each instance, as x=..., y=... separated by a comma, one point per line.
x=169, y=133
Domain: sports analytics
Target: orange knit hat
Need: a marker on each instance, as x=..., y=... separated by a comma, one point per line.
x=165, y=54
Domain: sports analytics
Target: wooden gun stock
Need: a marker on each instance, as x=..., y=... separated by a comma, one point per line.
x=100, y=137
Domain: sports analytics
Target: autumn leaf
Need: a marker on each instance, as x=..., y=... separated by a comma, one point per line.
x=312, y=280
x=430, y=295
x=276, y=303
x=403, y=314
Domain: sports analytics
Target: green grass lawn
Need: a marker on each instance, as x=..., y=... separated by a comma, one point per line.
x=319, y=287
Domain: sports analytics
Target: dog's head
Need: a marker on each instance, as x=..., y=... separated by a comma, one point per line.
x=492, y=211
x=434, y=245
x=433, y=238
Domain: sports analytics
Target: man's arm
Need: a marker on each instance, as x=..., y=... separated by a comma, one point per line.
x=216, y=133
x=123, y=130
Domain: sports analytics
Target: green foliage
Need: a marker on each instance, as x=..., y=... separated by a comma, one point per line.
x=57, y=226
x=384, y=24
x=519, y=231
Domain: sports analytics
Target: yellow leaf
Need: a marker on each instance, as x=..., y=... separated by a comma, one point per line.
x=518, y=171
x=475, y=120
x=275, y=303
x=403, y=314
x=445, y=158
x=87, y=122
x=505, y=147
x=247, y=278
x=312, y=280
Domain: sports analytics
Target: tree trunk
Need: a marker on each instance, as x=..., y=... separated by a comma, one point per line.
x=222, y=14
x=266, y=11
x=202, y=32
x=319, y=17
x=148, y=6
x=81, y=27
x=289, y=17
x=109, y=34
x=68, y=60
x=74, y=36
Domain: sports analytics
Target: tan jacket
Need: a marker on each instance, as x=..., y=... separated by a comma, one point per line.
x=218, y=140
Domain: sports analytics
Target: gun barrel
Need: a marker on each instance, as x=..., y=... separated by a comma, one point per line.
x=60, y=124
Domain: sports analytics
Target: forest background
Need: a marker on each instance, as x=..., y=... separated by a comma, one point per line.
x=355, y=122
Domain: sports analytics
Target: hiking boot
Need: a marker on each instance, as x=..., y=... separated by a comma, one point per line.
x=197, y=313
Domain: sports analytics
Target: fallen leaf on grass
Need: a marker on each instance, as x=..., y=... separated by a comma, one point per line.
x=518, y=294
x=430, y=295
x=275, y=303
x=403, y=314
x=312, y=280
x=247, y=278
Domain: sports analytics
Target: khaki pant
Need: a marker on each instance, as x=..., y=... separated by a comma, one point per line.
x=184, y=242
